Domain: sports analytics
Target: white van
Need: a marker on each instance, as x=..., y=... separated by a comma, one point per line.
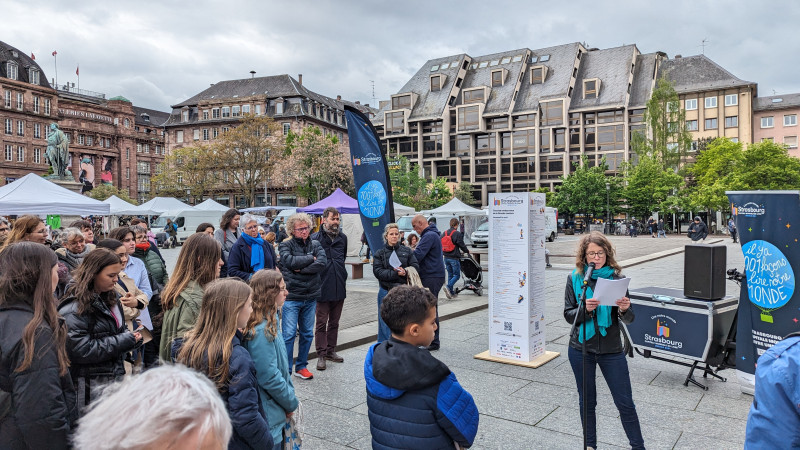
x=187, y=221
x=550, y=223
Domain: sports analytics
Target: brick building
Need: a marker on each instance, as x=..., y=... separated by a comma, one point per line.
x=204, y=116
x=104, y=134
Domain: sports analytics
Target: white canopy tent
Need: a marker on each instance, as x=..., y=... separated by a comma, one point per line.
x=455, y=207
x=402, y=210
x=159, y=205
x=120, y=207
x=33, y=194
x=211, y=205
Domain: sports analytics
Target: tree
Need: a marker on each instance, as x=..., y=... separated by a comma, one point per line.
x=247, y=153
x=464, y=193
x=190, y=170
x=713, y=173
x=648, y=186
x=104, y=191
x=408, y=187
x=584, y=191
x=320, y=164
x=667, y=141
x=766, y=165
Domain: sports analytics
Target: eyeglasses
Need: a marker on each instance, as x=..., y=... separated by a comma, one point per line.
x=599, y=254
x=251, y=227
x=301, y=230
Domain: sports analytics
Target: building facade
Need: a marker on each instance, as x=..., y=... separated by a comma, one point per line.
x=203, y=117
x=104, y=134
x=519, y=120
x=775, y=119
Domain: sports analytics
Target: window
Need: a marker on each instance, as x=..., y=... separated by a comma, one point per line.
x=206, y=135
x=279, y=107
x=690, y=104
x=20, y=154
x=12, y=70
x=127, y=123
x=287, y=127
x=8, y=99
x=246, y=109
x=767, y=122
x=258, y=110
x=497, y=78
x=731, y=100
x=236, y=111
x=395, y=123
x=731, y=121
x=127, y=173
x=205, y=114
x=790, y=120
x=37, y=130
x=20, y=101
x=179, y=136
x=89, y=140
x=185, y=116
x=215, y=132
x=36, y=104
x=37, y=155
x=591, y=88
x=790, y=141
x=711, y=124
x=33, y=75
x=226, y=111
x=138, y=148
x=436, y=83
x=691, y=125
x=711, y=102
x=47, y=107
x=473, y=96
x=552, y=113
x=196, y=135
x=544, y=58
x=215, y=113
x=468, y=118
x=127, y=153
x=401, y=102
x=9, y=153
x=147, y=148
x=20, y=128
x=538, y=74
x=9, y=126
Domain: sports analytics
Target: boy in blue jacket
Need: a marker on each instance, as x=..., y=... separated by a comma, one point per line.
x=414, y=400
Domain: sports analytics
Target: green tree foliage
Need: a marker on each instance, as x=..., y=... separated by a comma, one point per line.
x=318, y=164
x=648, y=186
x=192, y=170
x=412, y=189
x=584, y=191
x=104, y=191
x=667, y=141
x=767, y=165
x=464, y=193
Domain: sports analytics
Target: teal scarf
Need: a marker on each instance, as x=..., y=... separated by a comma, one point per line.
x=603, y=312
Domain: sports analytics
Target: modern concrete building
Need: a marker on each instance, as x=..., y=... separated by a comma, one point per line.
x=519, y=120
x=775, y=119
x=204, y=116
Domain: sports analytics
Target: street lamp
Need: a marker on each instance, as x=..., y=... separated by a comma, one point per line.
x=608, y=212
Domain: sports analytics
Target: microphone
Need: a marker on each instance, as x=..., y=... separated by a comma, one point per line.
x=588, y=275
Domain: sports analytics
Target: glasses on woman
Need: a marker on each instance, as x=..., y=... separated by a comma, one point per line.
x=599, y=254
x=302, y=230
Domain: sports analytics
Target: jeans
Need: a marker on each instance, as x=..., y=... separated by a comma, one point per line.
x=662, y=233
x=615, y=370
x=298, y=314
x=453, y=266
x=383, y=330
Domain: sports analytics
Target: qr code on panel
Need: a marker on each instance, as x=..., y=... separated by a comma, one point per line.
x=507, y=326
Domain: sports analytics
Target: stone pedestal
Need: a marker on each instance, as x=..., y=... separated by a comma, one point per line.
x=72, y=185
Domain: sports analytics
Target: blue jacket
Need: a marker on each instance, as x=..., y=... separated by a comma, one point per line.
x=429, y=254
x=414, y=401
x=774, y=420
x=274, y=381
x=239, y=259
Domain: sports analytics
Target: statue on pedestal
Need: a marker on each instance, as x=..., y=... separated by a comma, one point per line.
x=57, y=154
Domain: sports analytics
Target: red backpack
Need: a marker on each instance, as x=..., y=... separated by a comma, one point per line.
x=447, y=241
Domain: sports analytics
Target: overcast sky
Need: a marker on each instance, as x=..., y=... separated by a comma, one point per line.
x=158, y=53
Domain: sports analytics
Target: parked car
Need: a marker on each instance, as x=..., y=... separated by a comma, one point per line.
x=480, y=237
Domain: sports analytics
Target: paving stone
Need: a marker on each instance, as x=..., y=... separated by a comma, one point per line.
x=691, y=441
x=494, y=433
x=312, y=442
x=729, y=407
x=333, y=424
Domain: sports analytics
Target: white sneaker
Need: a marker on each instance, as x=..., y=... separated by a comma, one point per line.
x=447, y=292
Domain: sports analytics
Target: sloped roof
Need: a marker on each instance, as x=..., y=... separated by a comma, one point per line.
x=157, y=118
x=500, y=97
x=23, y=61
x=776, y=102
x=273, y=86
x=559, y=73
x=613, y=68
x=643, y=80
x=698, y=73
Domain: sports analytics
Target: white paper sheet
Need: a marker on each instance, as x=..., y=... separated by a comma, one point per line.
x=609, y=291
x=394, y=261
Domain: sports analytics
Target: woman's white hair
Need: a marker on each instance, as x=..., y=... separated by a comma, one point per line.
x=71, y=233
x=247, y=218
x=162, y=406
x=298, y=217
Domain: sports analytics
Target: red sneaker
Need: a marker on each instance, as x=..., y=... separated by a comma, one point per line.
x=304, y=374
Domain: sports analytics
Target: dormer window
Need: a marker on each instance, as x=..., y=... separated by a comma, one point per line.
x=474, y=96
x=12, y=70
x=401, y=102
x=279, y=106
x=33, y=75
x=145, y=117
x=437, y=82
x=538, y=74
x=591, y=88
x=499, y=77
x=185, y=115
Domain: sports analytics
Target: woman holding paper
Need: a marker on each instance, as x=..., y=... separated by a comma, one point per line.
x=601, y=326
x=389, y=266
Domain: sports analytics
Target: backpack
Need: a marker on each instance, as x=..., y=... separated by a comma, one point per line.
x=447, y=241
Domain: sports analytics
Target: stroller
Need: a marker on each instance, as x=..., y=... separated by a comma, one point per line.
x=472, y=275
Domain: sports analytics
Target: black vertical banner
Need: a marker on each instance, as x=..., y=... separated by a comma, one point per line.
x=371, y=176
x=768, y=223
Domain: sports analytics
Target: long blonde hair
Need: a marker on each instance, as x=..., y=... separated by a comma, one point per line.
x=266, y=288
x=23, y=226
x=208, y=345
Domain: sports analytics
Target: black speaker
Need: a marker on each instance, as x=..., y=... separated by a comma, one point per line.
x=704, y=271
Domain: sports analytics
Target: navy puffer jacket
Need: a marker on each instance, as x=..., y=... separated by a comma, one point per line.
x=429, y=254
x=414, y=401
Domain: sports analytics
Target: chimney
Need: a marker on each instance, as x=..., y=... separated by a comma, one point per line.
x=677, y=56
x=300, y=79
x=339, y=98
x=358, y=102
x=366, y=105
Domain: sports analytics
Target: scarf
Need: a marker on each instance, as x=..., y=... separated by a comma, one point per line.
x=144, y=246
x=603, y=312
x=256, y=251
x=73, y=260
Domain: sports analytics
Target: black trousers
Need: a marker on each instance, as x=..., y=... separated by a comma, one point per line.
x=434, y=285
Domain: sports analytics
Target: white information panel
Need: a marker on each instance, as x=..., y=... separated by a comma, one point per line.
x=516, y=275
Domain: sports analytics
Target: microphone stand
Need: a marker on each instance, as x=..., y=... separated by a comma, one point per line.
x=582, y=309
